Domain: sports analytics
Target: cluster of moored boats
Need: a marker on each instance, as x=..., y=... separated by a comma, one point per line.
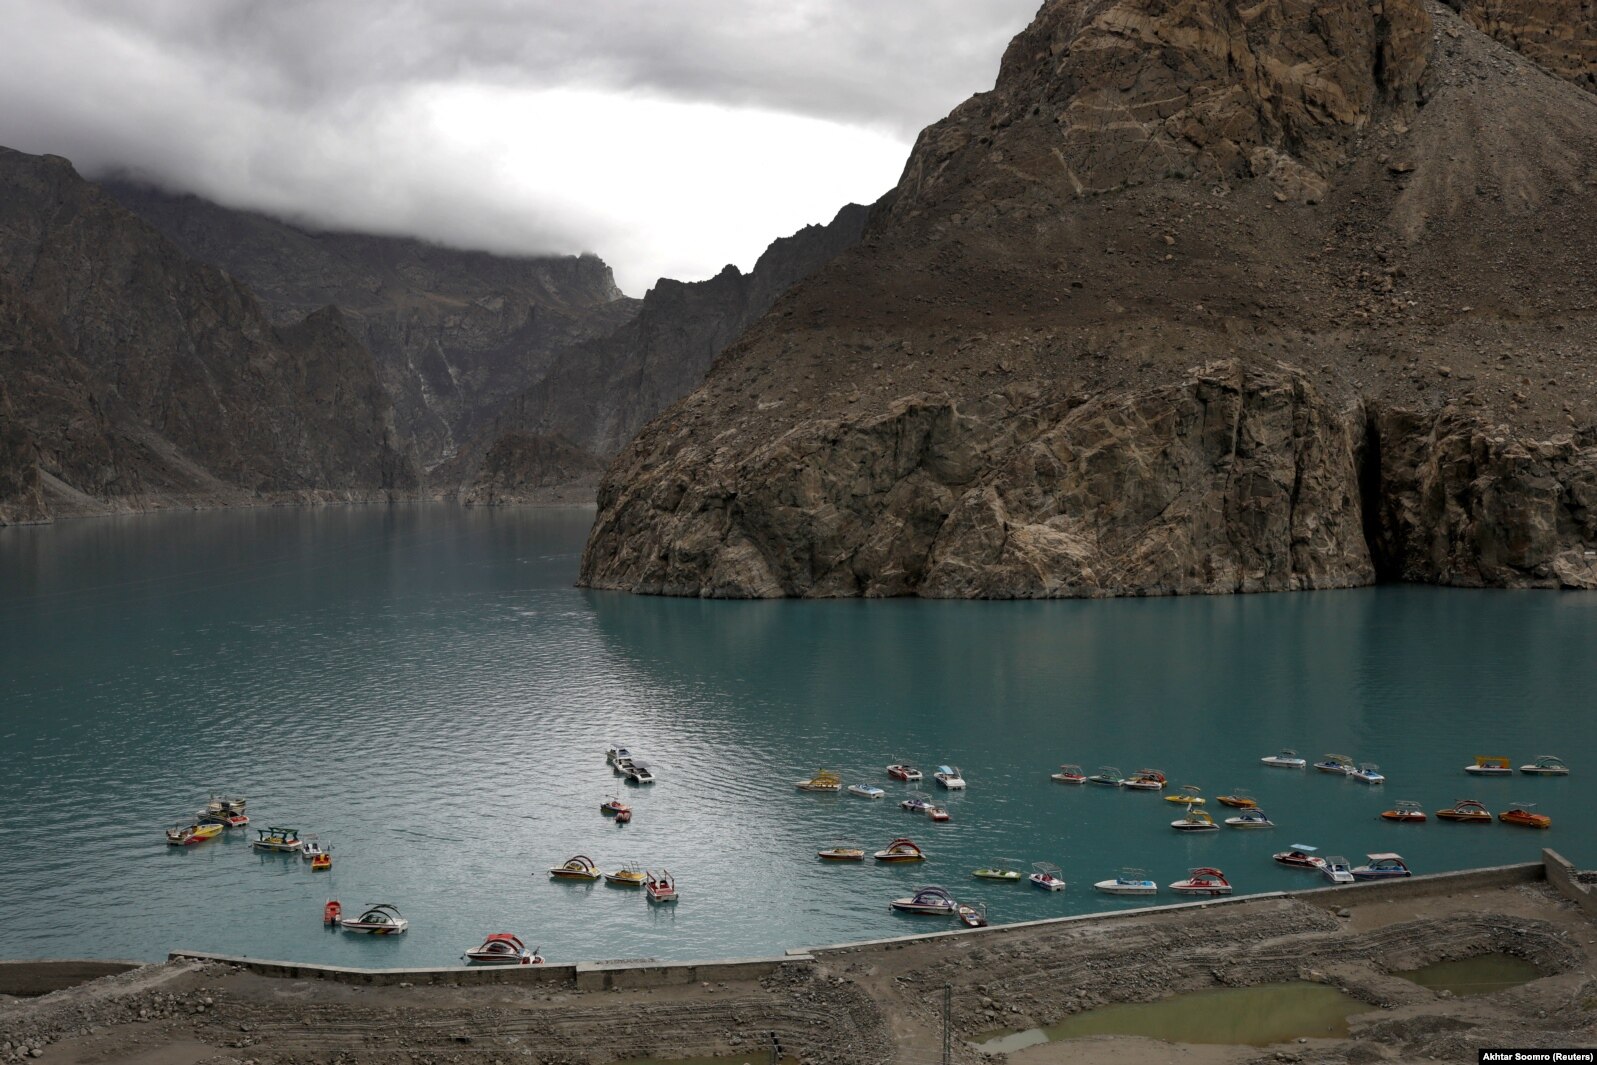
x=225, y=812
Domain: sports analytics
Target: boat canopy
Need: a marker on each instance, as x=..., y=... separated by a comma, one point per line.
x=1384, y=857
x=579, y=861
x=945, y=769
x=1206, y=871
x=931, y=893
x=505, y=937
x=1304, y=847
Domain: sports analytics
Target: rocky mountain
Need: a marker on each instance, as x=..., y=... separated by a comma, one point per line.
x=133, y=377
x=560, y=432
x=1203, y=296
x=1558, y=35
x=456, y=334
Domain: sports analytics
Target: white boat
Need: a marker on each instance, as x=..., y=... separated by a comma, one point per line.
x=661, y=887
x=904, y=771
x=1286, y=758
x=616, y=755
x=1546, y=766
x=1337, y=870
x=380, y=919
x=1250, y=817
x=1145, y=780
x=1487, y=765
x=1195, y=821
x=931, y=900
x=1381, y=867
x=1069, y=773
x=226, y=811
x=1368, y=773
x=1203, y=881
x=283, y=840
x=1336, y=764
x=948, y=776
x=1129, y=882
x=1046, y=877
x=866, y=791
x=503, y=948
x=311, y=849
x=1108, y=776
x=639, y=772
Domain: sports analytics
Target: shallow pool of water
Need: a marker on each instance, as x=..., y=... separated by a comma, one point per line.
x=1239, y=1016
x=1480, y=975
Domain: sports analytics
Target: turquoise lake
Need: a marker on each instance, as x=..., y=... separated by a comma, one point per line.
x=423, y=688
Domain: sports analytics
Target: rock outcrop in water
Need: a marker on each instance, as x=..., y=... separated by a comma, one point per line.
x=134, y=377
x=1202, y=297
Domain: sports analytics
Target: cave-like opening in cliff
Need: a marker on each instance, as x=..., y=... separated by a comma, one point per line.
x=1386, y=566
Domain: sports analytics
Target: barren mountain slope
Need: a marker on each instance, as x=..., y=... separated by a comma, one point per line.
x=1202, y=297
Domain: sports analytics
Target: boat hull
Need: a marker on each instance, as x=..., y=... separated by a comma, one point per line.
x=1111, y=887
x=375, y=929
x=1184, y=888
x=840, y=856
x=905, y=906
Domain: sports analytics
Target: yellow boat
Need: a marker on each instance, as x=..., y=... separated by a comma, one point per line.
x=630, y=876
x=823, y=780
x=1188, y=795
x=188, y=835
x=576, y=867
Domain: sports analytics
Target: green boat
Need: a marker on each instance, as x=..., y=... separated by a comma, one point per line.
x=1004, y=869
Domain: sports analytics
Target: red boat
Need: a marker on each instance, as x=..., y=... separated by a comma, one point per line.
x=1301, y=856
x=1520, y=814
x=1405, y=811
x=661, y=887
x=1205, y=881
x=503, y=948
x=903, y=771
x=332, y=912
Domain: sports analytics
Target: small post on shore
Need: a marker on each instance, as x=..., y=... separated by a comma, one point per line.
x=776, y=1049
x=948, y=1010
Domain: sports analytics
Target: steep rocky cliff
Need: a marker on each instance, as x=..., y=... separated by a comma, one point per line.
x=135, y=377
x=560, y=431
x=1559, y=35
x=1202, y=297
x=455, y=334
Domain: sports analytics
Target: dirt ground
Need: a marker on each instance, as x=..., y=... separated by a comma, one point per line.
x=881, y=1004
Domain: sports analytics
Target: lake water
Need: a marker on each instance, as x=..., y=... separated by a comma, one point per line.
x=424, y=688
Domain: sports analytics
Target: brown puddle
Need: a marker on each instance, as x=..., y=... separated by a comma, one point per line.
x=1480, y=975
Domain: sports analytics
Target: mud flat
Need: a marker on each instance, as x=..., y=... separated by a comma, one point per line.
x=883, y=1001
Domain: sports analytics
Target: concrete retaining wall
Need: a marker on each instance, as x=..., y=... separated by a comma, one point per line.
x=1561, y=875
x=564, y=975
x=42, y=977
x=601, y=976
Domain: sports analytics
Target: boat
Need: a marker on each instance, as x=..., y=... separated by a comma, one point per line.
x=1467, y=810
x=1519, y=813
x=1046, y=877
x=916, y=804
x=948, y=776
x=613, y=805
x=627, y=876
x=938, y=813
x=824, y=780
x=973, y=914
x=1335, y=763
x=639, y=772
x=1006, y=870
x=1405, y=810
x=842, y=851
x=1250, y=817
x=866, y=791
x=1203, y=881
x=661, y=886
x=1546, y=766
x=1129, y=882
x=1146, y=780
x=311, y=849
x=1238, y=799
x=901, y=850
x=1367, y=773
x=1381, y=867
x=225, y=811
x=1490, y=766
x=332, y=912
x=1337, y=871
x=1301, y=856
x=616, y=755
x=188, y=835
x=931, y=901
x=576, y=867
x=1187, y=793
x=380, y=919
x=904, y=771
x=502, y=948
x=1285, y=758
x=1108, y=776
x=1069, y=774
x=322, y=862
x=1195, y=821
x=284, y=840
x=623, y=817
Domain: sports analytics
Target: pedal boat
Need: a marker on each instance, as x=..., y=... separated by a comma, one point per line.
x=866, y=791
x=1381, y=867
x=842, y=852
x=224, y=811
x=1146, y=780
x=639, y=772
x=1367, y=773
x=916, y=804
x=1490, y=766
x=613, y=805
x=332, y=912
x=576, y=867
x=661, y=886
x=1069, y=774
x=1187, y=793
x=1129, y=882
x=1203, y=881
x=930, y=901
x=1285, y=758
x=1468, y=811
x=322, y=862
x=189, y=835
x=973, y=914
x=627, y=876
x=904, y=771
x=1238, y=800
x=1108, y=776
x=948, y=776
x=380, y=919
x=1250, y=817
x=502, y=948
x=900, y=850
x=1195, y=821
x=1046, y=877
x=1301, y=856
x=824, y=781
x=1546, y=766
x=1337, y=871
x=938, y=813
x=1004, y=870
x=281, y=840
x=1519, y=813
x=1405, y=810
x=1335, y=763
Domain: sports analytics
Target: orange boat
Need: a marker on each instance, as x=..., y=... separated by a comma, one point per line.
x=1519, y=813
x=1238, y=799
x=322, y=861
x=332, y=912
x=1405, y=811
x=1466, y=810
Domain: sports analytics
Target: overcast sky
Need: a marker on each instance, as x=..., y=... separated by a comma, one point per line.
x=669, y=136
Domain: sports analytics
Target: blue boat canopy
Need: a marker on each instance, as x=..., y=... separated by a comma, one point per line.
x=945, y=769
